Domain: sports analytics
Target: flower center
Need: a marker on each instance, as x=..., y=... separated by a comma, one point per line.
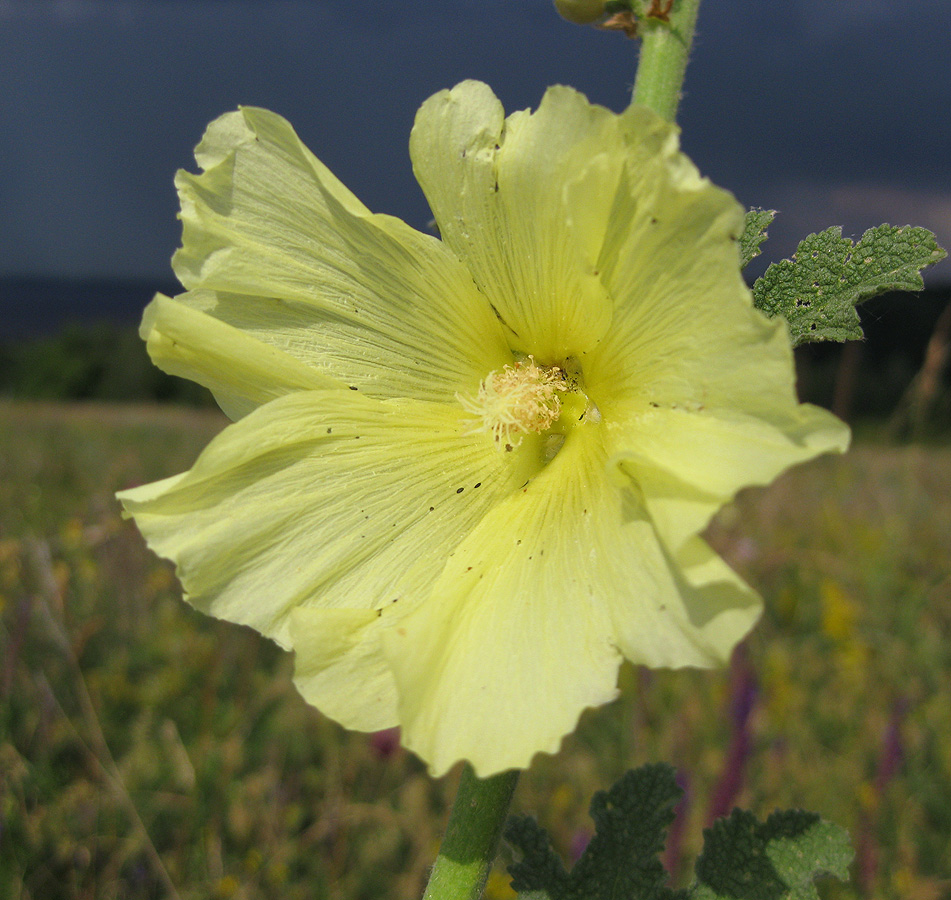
x=522, y=398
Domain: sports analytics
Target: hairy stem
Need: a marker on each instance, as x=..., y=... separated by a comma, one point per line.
x=472, y=836
x=665, y=47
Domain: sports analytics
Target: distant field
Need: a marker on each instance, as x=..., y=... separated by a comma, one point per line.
x=146, y=749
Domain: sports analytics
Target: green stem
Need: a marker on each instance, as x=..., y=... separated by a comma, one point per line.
x=665, y=47
x=472, y=836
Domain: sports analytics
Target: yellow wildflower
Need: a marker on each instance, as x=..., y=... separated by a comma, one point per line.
x=467, y=476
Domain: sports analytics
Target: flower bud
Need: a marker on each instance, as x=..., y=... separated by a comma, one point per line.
x=581, y=12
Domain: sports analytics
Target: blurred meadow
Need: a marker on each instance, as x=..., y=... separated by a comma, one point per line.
x=147, y=751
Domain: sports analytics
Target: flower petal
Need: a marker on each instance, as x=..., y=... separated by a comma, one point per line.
x=515, y=198
x=242, y=371
x=324, y=500
x=684, y=329
x=695, y=386
x=689, y=463
x=275, y=245
x=339, y=666
x=528, y=623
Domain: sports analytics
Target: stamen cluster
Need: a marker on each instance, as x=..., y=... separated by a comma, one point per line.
x=520, y=399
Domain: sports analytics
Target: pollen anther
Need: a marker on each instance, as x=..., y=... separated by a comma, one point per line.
x=518, y=399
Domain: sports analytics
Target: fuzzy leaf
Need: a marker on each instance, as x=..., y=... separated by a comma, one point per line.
x=754, y=233
x=818, y=289
x=780, y=859
x=620, y=862
x=541, y=871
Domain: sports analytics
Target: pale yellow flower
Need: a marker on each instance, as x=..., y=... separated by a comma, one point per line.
x=466, y=477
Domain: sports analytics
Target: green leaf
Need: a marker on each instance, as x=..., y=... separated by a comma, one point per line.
x=620, y=862
x=754, y=233
x=541, y=871
x=780, y=859
x=818, y=289
x=742, y=859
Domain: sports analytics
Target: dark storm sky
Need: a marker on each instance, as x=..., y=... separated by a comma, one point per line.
x=833, y=111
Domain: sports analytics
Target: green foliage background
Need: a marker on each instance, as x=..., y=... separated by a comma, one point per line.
x=100, y=361
x=840, y=703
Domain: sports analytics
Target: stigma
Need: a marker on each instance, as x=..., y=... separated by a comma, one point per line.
x=519, y=399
